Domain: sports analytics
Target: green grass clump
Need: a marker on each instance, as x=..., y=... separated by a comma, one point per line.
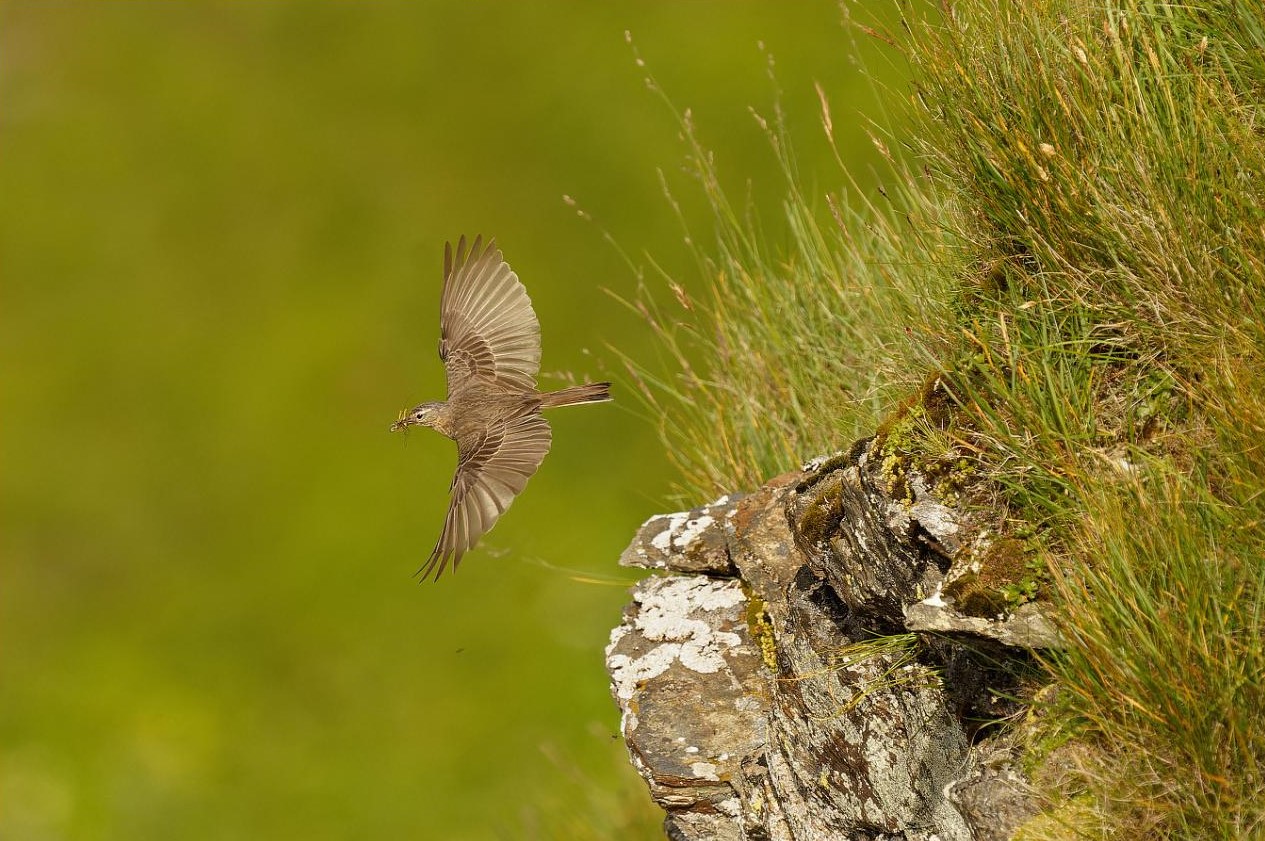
x=1075, y=245
x=790, y=351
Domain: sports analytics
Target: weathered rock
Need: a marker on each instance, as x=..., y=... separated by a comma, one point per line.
x=1027, y=626
x=868, y=546
x=781, y=696
x=693, y=541
x=684, y=671
x=971, y=598
x=995, y=797
x=907, y=562
x=865, y=741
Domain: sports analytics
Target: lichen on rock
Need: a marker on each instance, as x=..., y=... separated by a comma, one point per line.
x=763, y=693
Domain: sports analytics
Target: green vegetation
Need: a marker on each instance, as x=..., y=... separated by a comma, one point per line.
x=1072, y=241
x=789, y=352
x=899, y=669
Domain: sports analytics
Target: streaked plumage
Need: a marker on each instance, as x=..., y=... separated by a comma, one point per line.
x=490, y=346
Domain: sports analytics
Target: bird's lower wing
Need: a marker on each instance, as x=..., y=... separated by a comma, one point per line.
x=491, y=471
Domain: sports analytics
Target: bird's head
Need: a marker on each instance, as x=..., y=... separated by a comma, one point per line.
x=423, y=415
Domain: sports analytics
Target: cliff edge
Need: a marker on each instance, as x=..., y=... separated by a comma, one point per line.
x=816, y=661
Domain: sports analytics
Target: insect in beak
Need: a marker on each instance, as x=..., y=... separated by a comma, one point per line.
x=401, y=423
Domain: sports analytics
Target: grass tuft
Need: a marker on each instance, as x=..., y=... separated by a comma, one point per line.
x=787, y=352
x=1073, y=246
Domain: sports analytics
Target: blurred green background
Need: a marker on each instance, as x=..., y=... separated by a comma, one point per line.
x=221, y=230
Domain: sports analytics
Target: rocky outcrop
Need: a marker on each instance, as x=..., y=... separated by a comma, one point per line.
x=799, y=670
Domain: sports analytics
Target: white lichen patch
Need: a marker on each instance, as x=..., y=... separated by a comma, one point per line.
x=669, y=614
x=704, y=771
x=679, y=532
x=693, y=528
x=681, y=595
x=627, y=672
x=663, y=540
x=707, y=655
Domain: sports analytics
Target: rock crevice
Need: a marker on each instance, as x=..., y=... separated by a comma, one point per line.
x=796, y=672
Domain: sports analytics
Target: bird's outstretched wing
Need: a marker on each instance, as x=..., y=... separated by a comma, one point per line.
x=488, y=329
x=491, y=470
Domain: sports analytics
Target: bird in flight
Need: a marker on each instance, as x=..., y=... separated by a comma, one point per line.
x=490, y=345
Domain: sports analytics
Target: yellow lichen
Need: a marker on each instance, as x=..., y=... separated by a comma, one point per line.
x=760, y=628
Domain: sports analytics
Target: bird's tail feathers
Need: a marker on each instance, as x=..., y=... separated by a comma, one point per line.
x=591, y=393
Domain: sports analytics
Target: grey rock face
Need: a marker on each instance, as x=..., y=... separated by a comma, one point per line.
x=691, y=541
x=866, y=545
x=770, y=687
x=683, y=647
x=1026, y=627
x=994, y=797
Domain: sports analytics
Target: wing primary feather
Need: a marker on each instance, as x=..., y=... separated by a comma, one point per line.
x=488, y=326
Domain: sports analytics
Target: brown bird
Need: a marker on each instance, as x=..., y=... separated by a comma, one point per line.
x=490, y=345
